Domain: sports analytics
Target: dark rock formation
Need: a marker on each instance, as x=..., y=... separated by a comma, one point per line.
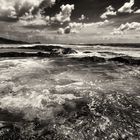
x=22, y=54
x=68, y=51
x=50, y=48
x=36, y=51
x=87, y=52
x=126, y=60
x=94, y=59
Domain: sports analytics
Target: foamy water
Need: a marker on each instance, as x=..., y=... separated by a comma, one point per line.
x=37, y=83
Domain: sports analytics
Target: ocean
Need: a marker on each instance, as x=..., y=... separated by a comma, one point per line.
x=93, y=93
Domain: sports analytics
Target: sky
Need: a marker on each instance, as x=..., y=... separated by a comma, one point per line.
x=71, y=21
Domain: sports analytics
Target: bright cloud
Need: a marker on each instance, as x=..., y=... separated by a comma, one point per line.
x=117, y=32
x=110, y=11
x=61, y=31
x=97, y=24
x=75, y=27
x=127, y=27
x=64, y=15
x=127, y=7
x=72, y=27
x=17, y=8
x=38, y=19
x=83, y=17
x=137, y=11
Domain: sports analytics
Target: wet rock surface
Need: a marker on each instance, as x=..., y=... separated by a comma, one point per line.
x=126, y=60
x=36, y=51
x=94, y=59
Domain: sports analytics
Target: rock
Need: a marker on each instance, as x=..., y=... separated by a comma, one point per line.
x=36, y=51
x=67, y=30
x=126, y=60
x=68, y=51
x=87, y=52
x=62, y=51
x=94, y=59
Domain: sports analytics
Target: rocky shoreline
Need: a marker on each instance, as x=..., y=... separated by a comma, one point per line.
x=58, y=51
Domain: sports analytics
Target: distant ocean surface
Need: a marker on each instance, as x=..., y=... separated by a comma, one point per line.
x=133, y=51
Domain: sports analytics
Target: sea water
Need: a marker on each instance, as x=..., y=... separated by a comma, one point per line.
x=70, y=99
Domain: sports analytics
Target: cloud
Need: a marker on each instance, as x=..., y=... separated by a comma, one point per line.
x=41, y=20
x=82, y=18
x=60, y=31
x=37, y=20
x=64, y=15
x=7, y=9
x=59, y=19
x=137, y=11
x=110, y=11
x=18, y=8
x=97, y=24
x=74, y=27
x=127, y=27
x=127, y=7
x=117, y=32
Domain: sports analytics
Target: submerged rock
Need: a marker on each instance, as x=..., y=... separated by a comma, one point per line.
x=69, y=51
x=87, y=52
x=24, y=54
x=126, y=60
x=94, y=59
